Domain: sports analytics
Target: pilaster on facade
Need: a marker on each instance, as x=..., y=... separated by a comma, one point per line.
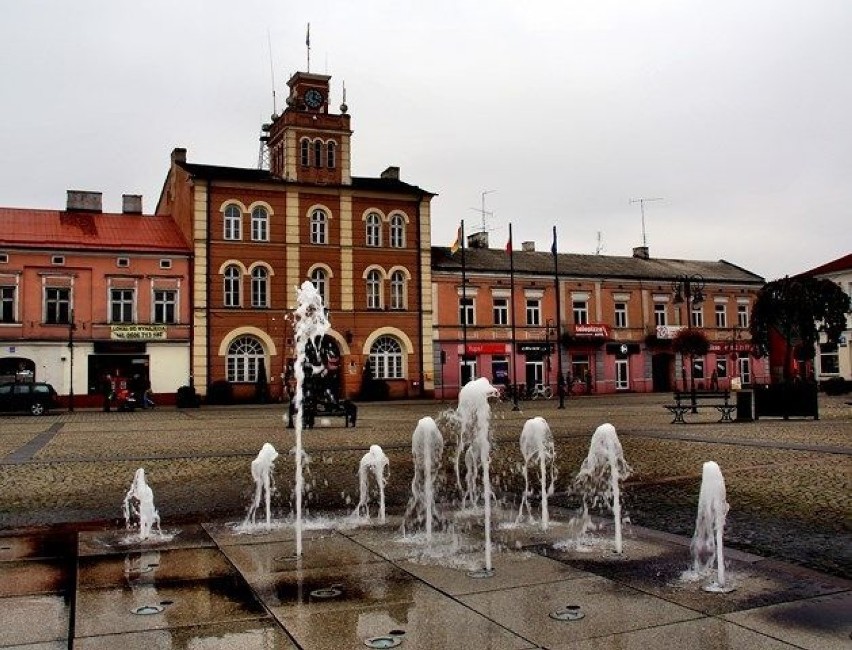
x=347, y=280
x=200, y=229
x=345, y=160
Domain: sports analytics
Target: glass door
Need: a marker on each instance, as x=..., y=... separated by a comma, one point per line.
x=622, y=374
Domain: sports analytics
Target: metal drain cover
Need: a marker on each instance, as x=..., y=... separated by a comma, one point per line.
x=481, y=573
x=568, y=613
x=147, y=610
x=385, y=641
x=329, y=592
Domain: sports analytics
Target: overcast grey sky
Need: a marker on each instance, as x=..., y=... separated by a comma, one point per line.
x=738, y=113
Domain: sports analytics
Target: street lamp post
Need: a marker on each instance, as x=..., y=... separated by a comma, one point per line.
x=548, y=328
x=689, y=290
x=71, y=327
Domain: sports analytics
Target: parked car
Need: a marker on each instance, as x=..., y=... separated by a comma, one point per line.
x=37, y=398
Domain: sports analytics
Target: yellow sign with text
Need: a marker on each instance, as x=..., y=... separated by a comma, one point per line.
x=137, y=332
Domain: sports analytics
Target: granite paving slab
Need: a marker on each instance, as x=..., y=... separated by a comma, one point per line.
x=33, y=619
x=150, y=567
x=112, y=540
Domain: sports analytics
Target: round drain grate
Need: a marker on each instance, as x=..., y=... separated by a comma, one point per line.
x=568, y=613
x=385, y=641
x=481, y=573
x=147, y=610
x=327, y=592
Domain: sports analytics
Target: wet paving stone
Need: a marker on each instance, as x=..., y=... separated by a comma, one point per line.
x=34, y=619
x=152, y=567
x=262, y=634
x=107, y=611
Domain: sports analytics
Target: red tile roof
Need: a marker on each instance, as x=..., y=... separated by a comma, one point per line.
x=21, y=227
x=840, y=264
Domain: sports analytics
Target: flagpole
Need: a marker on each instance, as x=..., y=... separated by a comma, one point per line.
x=464, y=300
x=515, y=406
x=560, y=380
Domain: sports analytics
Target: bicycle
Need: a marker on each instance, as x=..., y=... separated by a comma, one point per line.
x=541, y=391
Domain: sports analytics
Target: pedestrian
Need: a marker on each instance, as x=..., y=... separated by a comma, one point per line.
x=106, y=391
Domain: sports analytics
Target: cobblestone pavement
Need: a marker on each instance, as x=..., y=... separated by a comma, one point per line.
x=788, y=482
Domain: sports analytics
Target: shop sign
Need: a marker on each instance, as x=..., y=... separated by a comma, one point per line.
x=535, y=348
x=668, y=331
x=726, y=347
x=622, y=349
x=137, y=332
x=596, y=330
x=487, y=348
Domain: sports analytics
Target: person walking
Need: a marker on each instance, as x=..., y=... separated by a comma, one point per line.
x=106, y=391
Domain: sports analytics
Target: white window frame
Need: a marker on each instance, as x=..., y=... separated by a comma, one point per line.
x=319, y=278
x=398, y=298
x=122, y=302
x=721, y=312
x=260, y=287
x=232, y=286
x=9, y=298
x=696, y=315
x=58, y=301
x=243, y=359
x=232, y=223
x=533, y=312
x=260, y=224
x=165, y=302
x=501, y=311
x=467, y=311
x=387, y=358
x=319, y=227
x=397, y=231
x=621, y=315
x=373, y=223
x=374, y=289
x=661, y=314
x=743, y=316
x=580, y=311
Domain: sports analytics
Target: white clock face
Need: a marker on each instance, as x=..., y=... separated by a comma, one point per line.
x=313, y=98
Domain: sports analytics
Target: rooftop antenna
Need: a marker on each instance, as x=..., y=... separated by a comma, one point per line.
x=483, y=213
x=641, y=203
x=308, y=45
x=271, y=72
x=600, y=246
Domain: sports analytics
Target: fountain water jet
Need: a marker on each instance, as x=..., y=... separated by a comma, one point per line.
x=537, y=444
x=598, y=480
x=474, y=439
x=427, y=448
x=139, y=502
x=375, y=461
x=706, y=543
x=310, y=325
x=261, y=472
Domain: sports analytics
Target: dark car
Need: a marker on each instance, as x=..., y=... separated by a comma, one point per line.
x=37, y=398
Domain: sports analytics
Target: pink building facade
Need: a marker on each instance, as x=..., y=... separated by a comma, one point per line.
x=85, y=294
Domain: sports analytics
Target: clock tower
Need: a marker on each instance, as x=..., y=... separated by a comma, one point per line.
x=307, y=143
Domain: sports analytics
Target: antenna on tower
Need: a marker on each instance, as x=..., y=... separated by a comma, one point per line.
x=271, y=72
x=308, y=45
x=482, y=211
x=641, y=203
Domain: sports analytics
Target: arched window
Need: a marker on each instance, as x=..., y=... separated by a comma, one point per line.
x=331, y=154
x=374, y=230
x=318, y=153
x=374, y=290
x=397, y=290
x=244, y=357
x=397, y=231
x=232, y=286
x=259, y=224
x=305, y=152
x=319, y=278
x=259, y=287
x=386, y=358
x=233, y=222
x=319, y=227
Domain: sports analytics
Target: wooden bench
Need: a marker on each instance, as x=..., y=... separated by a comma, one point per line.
x=688, y=401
